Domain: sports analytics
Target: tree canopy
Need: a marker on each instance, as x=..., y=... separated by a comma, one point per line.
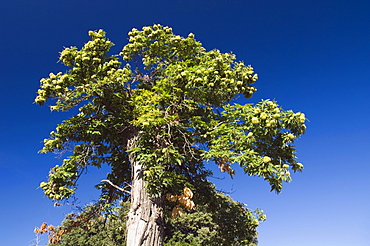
x=157, y=113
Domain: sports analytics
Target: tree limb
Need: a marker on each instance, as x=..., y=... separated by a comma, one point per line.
x=115, y=186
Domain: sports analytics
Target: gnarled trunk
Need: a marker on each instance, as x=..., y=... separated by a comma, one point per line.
x=145, y=226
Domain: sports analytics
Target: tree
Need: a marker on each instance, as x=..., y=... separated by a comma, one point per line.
x=221, y=221
x=218, y=220
x=94, y=227
x=156, y=118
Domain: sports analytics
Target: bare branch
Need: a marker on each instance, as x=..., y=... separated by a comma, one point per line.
x=115, y=186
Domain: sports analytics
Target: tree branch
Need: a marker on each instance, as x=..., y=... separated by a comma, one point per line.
x=206, y=131
x=115, y=186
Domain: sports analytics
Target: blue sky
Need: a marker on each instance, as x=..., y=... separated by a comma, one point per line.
x=311, y=56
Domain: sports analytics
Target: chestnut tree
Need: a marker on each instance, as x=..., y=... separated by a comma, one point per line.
x=157, y=114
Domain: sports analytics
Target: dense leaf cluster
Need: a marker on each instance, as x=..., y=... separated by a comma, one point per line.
x=93, y=226
x=217, y=220
x=220, y=221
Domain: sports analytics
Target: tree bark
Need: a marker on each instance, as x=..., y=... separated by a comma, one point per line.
x=145, y=226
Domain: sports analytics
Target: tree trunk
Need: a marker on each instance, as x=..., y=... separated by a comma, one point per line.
x=145, y=226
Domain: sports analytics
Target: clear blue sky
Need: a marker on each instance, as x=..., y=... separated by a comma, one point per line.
x=311, y=56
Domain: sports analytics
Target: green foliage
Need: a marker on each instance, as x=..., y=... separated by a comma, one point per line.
x=173, y=98
x=217, y=220
x=92, y=226
x=259, y=138
x=197, y=228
